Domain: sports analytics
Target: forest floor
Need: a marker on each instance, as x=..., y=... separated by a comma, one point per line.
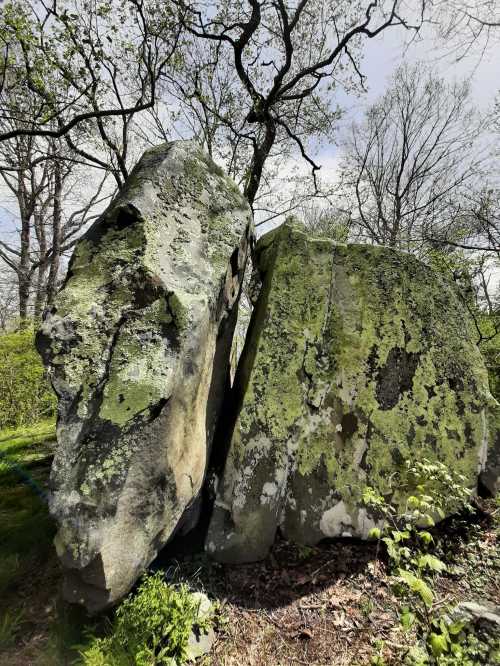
x=328, y=605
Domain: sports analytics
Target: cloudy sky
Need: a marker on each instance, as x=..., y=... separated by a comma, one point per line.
x=386, y=52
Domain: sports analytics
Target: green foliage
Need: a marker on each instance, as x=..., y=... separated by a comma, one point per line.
x=432, y=491
x=466, y=649
x=26, y=530
x=10, y=623
x=490, y=348
x=151, y=627
x=25, y=394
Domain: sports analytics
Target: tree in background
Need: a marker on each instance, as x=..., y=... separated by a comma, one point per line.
x=85, y=63
x=42, y=182
x=8, y=298
x=255, y=81
x=406, y=165
x=467, y=25
x=289, y=59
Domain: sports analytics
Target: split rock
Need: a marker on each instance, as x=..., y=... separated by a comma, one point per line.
x=357, y=359
x=137, y=344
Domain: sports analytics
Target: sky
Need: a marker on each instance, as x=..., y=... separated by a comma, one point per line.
x=385, y=53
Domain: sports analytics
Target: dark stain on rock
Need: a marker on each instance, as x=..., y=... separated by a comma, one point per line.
x=430, y=391
x=468, y=433
x=431, y=440
x=127, y=215
x=395, y=377
x=349, y=425
x=456, y=383
x=460, y=406
x=410, y=438
x=397, y=457
x=372, y=363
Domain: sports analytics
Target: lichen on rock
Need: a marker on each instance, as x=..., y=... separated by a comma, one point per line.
x=357, y=359
x=137, y=345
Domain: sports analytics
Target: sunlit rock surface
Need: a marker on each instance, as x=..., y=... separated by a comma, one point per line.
x=138, y=344
x=357, y=359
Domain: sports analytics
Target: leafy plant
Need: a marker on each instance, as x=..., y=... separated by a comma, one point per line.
x=151, y=627
x=25, y=393
x=431, y=491
x=10, y=623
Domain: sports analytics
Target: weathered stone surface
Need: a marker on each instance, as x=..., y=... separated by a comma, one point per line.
x=138, y=344
x=490, y=476
x=483, y=620
x=201, y=642
x=357, y=358
x=471, y=612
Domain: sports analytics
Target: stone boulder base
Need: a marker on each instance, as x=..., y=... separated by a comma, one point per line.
x=357, y=359
x=138, y=344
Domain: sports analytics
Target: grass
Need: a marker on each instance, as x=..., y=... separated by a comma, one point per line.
x=35, y=439
x=25, y=526
x=26, y=530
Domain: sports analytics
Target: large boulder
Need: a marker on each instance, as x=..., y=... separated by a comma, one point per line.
x=357, y=359
x=490, y=475
x=137, y=345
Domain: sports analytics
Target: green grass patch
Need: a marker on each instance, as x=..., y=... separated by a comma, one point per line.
x=26, y=530
x=28, y=444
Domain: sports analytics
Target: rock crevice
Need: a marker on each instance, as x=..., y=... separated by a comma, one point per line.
x=138, y=347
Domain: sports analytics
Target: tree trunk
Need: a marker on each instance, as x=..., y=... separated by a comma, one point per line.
x=56, y=236
x=23, y=271
x=260, y=155
x=42, y=267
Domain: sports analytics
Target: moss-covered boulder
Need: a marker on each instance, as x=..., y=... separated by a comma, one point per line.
x=138, y=344
x=357, y=359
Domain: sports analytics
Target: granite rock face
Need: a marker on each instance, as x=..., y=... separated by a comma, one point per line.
x=137, y=346
x=490, y=475
x=357, y=359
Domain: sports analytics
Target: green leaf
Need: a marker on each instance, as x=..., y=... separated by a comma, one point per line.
x=407, y=576
x=374, y=533
x=438, y=644
x=424, y=591
x=455, y=628
x=431, y=562
x=426, y=536
x=392, y=549
x=418, y=586
x=413, y=502
x=407, y=619
x=399, y=535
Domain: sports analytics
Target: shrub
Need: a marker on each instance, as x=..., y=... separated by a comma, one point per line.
x=415, y=567
x=151, y=627
x=25, y=393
